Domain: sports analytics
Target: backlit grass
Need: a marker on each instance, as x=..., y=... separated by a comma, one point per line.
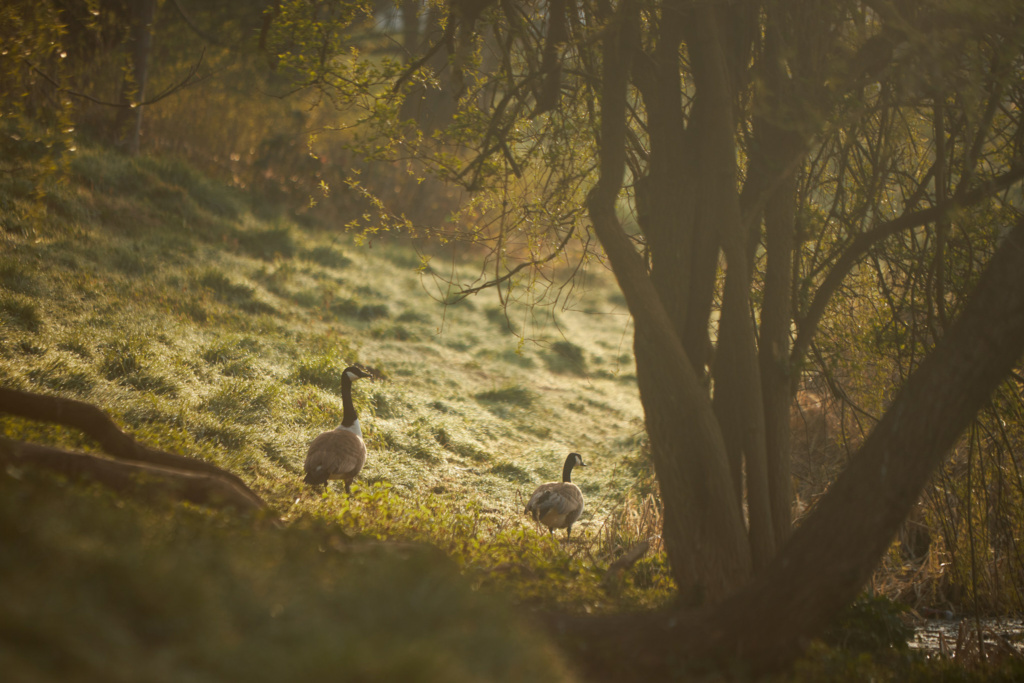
x=206, y=331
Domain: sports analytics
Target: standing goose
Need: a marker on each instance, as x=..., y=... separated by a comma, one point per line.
x=557, y=505
x=339, y=454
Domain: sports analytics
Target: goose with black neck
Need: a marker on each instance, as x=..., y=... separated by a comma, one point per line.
x=340, y=453
x=557, y=505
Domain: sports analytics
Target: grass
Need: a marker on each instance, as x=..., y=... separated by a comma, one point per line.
x=125, y=591
x=201, y=329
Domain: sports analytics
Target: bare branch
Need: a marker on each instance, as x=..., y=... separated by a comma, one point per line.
x=807, y=327
x=463, y=293
x=188, y=80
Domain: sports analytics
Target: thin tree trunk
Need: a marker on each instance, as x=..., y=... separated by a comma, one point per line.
x=129, y=120
x=737, y=378
x=774, y=154
x=776, y=374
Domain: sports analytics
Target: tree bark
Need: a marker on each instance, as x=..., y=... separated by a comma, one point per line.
x=832, y=554
x=737, y=398
x=774, y=154
x=142, y=14
x=704, y=532
x=134, y=479
x=94, y=423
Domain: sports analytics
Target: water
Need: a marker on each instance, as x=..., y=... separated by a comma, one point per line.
x=935, y=636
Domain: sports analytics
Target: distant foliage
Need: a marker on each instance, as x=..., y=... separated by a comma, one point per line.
x=35, y=122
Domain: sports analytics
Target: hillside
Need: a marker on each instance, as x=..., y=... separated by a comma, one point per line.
x=154, y=293
x=151, y=292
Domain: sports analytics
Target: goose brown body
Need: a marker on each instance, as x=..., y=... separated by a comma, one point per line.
x=557, y=505
x=341, y=453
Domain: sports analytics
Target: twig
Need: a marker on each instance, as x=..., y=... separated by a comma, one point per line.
x=125, y=105
x=616, y=568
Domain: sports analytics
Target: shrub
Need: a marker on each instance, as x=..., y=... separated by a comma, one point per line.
x=872, y=624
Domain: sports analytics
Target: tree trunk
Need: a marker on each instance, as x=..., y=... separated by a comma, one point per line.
x=704, y=533
x=832, y=554
x=737, y=399
x=129, y=119
x=774, y=155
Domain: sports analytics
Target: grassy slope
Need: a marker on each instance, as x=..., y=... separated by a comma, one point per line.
x=150, y=291
x=153, y=294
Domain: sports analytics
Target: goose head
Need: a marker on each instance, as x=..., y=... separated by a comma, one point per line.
x=573, y=460
x=354, y=372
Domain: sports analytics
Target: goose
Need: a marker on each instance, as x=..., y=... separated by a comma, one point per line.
x=557, y=505
x=340, y=453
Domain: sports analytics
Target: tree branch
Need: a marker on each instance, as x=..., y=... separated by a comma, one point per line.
x=95, y=423
x=131, y=478
x=832, y=553
x=807, y=327
x=188, y=80
x=463, y=293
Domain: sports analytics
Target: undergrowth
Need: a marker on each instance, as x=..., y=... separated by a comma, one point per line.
x=125, y=591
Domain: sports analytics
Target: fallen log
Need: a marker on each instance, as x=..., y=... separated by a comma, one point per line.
x=128, y=477
x=191, y=479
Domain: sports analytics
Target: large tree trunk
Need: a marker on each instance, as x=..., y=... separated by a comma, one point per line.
x=832, y=554
x=829, y=558
x=704, y=532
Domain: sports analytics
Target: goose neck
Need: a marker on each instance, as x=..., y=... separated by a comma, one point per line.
x=348, y=415
x=567, y=470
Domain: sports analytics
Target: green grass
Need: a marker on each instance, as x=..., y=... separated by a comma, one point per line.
x=148, y=290
x=121, y=590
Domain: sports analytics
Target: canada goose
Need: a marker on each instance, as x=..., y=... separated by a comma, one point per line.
x=557, y=505
x=339, y=454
